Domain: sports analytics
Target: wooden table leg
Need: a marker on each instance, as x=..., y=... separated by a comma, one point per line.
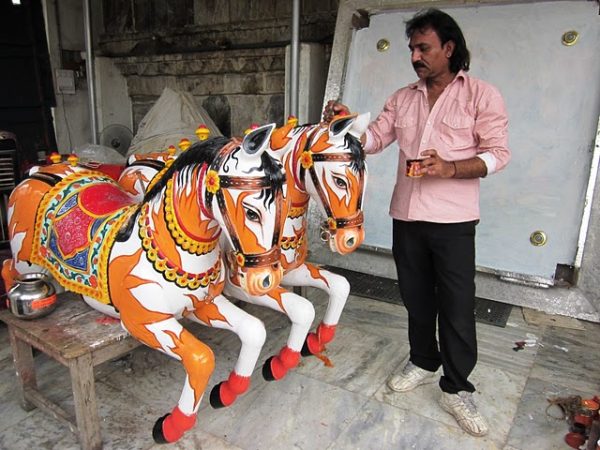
x=84, y=395
x=25, y=370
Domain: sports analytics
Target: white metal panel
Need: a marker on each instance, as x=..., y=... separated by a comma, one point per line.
x=552, y=92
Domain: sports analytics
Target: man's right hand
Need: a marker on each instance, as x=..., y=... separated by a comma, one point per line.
x=334, y=108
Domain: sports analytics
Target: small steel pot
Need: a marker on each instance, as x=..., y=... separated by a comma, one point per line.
x=31, y=296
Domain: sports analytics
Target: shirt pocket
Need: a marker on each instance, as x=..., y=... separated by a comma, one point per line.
x=406, y=131
x=456, y=131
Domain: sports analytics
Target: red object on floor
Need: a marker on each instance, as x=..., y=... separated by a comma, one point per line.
x=574, y=440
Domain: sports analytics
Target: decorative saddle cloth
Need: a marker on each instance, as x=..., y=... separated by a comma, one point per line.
x=75, y=228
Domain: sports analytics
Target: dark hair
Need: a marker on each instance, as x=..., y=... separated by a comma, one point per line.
x=199, y=153
x=447, y=30
x=205, y=152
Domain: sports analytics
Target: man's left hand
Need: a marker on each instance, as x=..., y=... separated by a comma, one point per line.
x=434, y=166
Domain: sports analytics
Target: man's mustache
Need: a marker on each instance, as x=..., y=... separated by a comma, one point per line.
x=417, y=65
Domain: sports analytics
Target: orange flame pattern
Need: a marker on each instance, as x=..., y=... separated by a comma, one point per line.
x=134, y=316
x=279, y=137
x=204, y=309
x=127, y=182
x=197, y=358
x=23, y=218
x=340, y=206
x=162, y=236
x=188, y=204
x=248, y=240
x=316, y=273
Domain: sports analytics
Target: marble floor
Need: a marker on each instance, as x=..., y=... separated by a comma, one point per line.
x=347, y=406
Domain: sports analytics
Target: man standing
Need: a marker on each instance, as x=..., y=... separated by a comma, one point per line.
x=455, y=126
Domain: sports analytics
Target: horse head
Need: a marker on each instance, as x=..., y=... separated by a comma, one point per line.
x=333, y=157
x=244, y=189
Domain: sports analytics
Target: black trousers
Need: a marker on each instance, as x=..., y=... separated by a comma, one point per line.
x=436, y=273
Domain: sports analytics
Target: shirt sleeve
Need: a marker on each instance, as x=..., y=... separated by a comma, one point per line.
x=491, y=128
x=381, y=131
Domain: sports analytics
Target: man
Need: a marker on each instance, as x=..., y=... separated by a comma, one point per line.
x=456, y=126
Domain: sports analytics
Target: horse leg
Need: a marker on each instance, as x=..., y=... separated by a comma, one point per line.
x=252, y=334
x=301, y=313
x=338, y=289
x=198, y=360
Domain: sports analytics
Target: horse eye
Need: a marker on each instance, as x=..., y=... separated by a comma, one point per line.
x=340, y=182
x=252, y=215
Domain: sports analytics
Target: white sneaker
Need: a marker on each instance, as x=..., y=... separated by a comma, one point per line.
x=463, y=408
x=410, y=377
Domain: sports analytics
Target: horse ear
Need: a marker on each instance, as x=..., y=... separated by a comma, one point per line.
x=340, y=126
x=360, y=125
x=258, y=139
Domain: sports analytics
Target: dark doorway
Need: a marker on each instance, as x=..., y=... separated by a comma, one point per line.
x=26, y=89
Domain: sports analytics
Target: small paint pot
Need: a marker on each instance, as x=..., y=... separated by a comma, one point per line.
x=590, y=407
x=574, y=440
x=590, y=404
x=413, y=167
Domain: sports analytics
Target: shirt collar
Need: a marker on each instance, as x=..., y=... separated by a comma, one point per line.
x=420, y=85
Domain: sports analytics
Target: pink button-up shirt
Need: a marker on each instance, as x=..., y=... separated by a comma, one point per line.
x=468, y=119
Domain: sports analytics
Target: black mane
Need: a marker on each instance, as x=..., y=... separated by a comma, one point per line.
x=205, y=152
x=199, y=153
x=358, y=154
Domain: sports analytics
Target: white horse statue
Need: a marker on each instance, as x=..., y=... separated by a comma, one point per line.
x=324, y=162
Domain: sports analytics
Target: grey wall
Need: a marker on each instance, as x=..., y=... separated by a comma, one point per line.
x=229, y=54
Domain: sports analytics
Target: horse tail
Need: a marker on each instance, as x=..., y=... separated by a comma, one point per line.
x=8, y=273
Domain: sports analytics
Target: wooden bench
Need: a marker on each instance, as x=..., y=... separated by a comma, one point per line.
x=78, y=337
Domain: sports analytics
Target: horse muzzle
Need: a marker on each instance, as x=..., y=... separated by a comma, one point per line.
x=347, y=240
x=258, y=274
x=261, y=280
x=343, y=235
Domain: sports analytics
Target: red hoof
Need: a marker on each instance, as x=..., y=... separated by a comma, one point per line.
x=237, y=383
x=326, y=333
x=315, y=342
x=229, y=390
x=171, y=427
x=284, y=361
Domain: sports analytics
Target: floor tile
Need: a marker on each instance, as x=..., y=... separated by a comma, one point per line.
x=570, y=358
x=495, y=347
x=37, y=431
x=497, y=397
x=297, y=412
x=382, y=426
x=533, y=427
x=196, y=440
x=362, y=361
x=347, y=406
